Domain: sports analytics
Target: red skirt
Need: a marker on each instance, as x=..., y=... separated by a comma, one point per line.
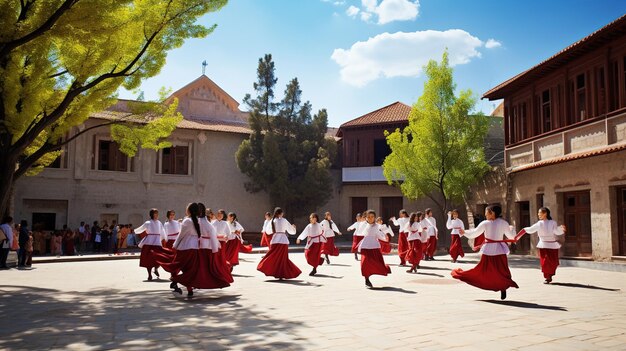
x=403, y=245
x=549, y=259
x=491, y=273
x=204, y=272
x=329, y=248
x=314, y=255
x=245, y=248
x=231, y=251
x=372, y=262
x=276, y=263
x=149, y=256
x=479, y=241
x=266, y=239
x=385, y=247
x=184, y=260
x=414, y=255
x=456, y=247
x=356, y=240
x=431, y=246
x=169, y=244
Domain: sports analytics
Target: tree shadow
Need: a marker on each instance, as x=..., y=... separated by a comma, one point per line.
x=294, y=282
x=522, y=304
x=39, y=318
x=583, y=286
x=393, y=289
x=157, y=280
x=435, y=268
x=431, y=274
x=327, y=276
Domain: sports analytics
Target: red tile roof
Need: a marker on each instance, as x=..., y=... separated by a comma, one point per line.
x=591, y=42
x=597, y=152
x=396, y=112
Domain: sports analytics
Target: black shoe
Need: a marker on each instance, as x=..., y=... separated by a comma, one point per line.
x=548, y=281
x=432, y=258
x=327, y=260
x=177, y=291
x=156, y=273
x=368, y=283
x=173, y=285
x=502, y=294
x=313, y=272
x=356, y=257
x=190, y=293
x=150, y=278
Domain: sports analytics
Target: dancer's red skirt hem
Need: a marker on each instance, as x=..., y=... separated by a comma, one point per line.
x=276, y=263
x=372, y=263
x=549, y=259
x=456, y=247
x=414, y=254
x=329, y=248
x=314, y=255
x=149, y=256
x=491, y=273
x=356, y=240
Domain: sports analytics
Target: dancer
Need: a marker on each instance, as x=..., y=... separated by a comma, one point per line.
x=330, y=228
x=314, y=235
x=492, y=271
x=456, y=246
x=433, y=234
x=372, y=261
x=414, y=255
x=232, y=247
x=172, y=228
x=152, y=243
x=357, y=236
x=385, y=245
x=267, y=224
x=548, y=246
x=403, y=244
x=276, y=262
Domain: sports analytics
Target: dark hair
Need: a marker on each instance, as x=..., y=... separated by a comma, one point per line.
x=368, y=212
x=359, y=214
x=419, y=215
x=428, y=211
x=201, y=210
x=193, y=210
x=314, y=215
x=546, y=211
x=153, y=212
x=234, y=215
x=208, y=212
x=404, y=212
x=413, y=218
x=7, y=219
x=268, y=214
x=221, y=210
x=330, y=221
x=168, y=213
x=455, y=211
x=23, y=223
x=277, y=211
x=495, y=209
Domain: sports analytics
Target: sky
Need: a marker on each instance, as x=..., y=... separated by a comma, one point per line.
x=352, y=57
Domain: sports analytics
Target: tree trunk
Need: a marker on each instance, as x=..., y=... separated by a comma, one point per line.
x=7, y=168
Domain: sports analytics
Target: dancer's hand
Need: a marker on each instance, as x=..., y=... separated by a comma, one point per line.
x=563, y=228
x=298, y=241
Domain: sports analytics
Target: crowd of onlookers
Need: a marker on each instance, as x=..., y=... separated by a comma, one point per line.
x=97, y=238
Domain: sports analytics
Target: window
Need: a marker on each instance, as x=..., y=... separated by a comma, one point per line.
x=546, y=112
x=581, y=98
x=175, y=160
x=381, y=151
x=600, y=92
x=110, y=158
x=614, y=86
x=358, y=152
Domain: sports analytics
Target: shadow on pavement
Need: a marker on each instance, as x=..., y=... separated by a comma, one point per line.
x=431, y=274
x=394, y=289
x=338, y=265
x=525, y=305
x=583, y=286
x=294, y=282
x=242, y=275
x=37, y=318
x=327, y=276
x=435, y=268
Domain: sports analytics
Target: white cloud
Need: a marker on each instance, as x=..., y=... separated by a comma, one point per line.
x=492, y=44
x=365, y=16
x=389, y=10
x=352, y=11
x=403, y=54
x=339, y=3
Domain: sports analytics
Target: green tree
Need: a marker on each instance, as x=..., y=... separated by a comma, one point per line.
x=440, y=153
x=61, y=60
x=287, y=154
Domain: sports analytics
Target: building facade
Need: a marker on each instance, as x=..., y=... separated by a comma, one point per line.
x=565, y=144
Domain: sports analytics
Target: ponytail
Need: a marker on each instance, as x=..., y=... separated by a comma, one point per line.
x=193, y=209
x=277, y=211
x=201, y=210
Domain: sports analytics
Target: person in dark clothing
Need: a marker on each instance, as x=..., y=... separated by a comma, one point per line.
x=23, y=240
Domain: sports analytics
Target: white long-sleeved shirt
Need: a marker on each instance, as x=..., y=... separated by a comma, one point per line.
x=415, y=231
x=6, y=228
x=208, y=239
x=222, y=229
x=329, y=231
x=386, y=230
x=371, y=234
x=267, y=226
x=155, y=231
x=402, y=223
x=432, y=226
x=493, y=230
x=234, y=227
x=455, y=224
x=314, y=233
x=547, y=230
x=172, y=228
x=283, y=227
x=187, y=239
x=355, y=226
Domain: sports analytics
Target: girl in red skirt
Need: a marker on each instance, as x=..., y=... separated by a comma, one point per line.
x=314, y=235
x=330, y=228
x=267, y=228
x=372, y=261
x=385, y=245
x=548, y=246
x=172, y=228
x=234, y=243
x=414, y=255
x=276, y=262
x=403, y=244
x=492, y=271
x=152, y=244
x=357, y=236
x=456, y=246
x=433, y=234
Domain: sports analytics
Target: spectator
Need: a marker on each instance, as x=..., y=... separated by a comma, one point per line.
x=16, y=232
x=113, y=239
x=87, y=240
x=6, y=240
x=29, y=250
x=68, y=237
x=23, y=240
x=58, y=243
x=39, y=243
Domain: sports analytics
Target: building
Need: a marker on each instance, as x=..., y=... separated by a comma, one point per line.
x=565, y=143
x=93, y=180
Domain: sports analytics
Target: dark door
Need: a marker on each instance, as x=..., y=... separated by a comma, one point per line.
x=621, y=219
x=390, y=207
x=44, y=221
x=523, y=210
x=577, y=207
x=359, y=205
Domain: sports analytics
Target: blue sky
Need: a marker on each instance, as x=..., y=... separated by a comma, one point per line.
x=352, y=57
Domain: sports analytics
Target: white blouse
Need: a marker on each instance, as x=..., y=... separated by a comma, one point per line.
x=386, y=230
x=187, y=239
x=372, y=233
x=155, y=231
x=222, y=229
x=172, y=228
x=403, y=223
x=547, y=231
x=455, y=224
x=208, y=240
x=235, y=227
x=415, y=231
x=328, y=231
x=314, y=233
x=283, y=227
x=432, y=226
x=493, y=230
x=267, y=226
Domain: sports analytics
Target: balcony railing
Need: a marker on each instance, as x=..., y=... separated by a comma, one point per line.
x=362, y=174
x=597, y=135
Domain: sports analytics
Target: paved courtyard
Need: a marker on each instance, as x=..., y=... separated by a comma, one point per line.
x=108, y=305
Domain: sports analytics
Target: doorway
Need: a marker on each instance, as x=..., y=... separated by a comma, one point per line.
x=523, y=245
x=359, y=205
x=621, y=220
x=577, y=205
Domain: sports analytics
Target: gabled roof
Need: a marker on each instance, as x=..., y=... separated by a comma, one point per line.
x=396, y=112
x=227, y=99
x=593, y=41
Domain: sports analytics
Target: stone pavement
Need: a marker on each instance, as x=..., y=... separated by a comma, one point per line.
x=108, y=305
